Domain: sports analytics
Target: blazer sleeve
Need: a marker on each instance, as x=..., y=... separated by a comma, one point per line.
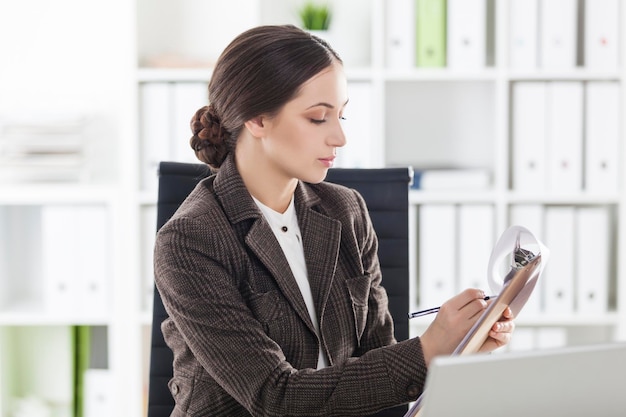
x=203, y=300
x=379, y=330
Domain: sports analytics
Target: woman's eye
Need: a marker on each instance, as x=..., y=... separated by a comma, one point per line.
x=342, y=118
x=318, y=121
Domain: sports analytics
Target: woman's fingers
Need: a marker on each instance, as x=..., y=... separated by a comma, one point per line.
x=501, y=332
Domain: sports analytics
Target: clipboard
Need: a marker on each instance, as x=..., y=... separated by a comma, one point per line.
x=526, y=257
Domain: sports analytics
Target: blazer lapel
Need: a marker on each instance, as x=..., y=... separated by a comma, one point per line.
x=321, y=237
x=261, y=240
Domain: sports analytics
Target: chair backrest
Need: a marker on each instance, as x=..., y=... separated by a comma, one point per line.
x=385, y=191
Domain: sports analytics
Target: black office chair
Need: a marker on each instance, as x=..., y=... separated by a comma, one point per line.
x=385, y=191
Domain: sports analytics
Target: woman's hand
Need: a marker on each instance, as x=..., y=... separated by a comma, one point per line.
x=456, y=317
x=501, y=332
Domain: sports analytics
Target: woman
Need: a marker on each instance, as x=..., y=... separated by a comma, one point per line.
x=270, y=276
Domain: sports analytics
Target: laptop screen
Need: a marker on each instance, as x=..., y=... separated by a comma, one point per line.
x=574, y=381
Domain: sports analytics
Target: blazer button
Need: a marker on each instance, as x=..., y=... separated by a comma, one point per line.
x=413, y=391
x=175, y=389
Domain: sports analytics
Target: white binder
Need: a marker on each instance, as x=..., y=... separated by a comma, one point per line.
x=466, y=31
x=559, y=274
x=357, y=153
x=400, y=29
x=93, y=258
x=75, y=254
x=475, y=242
x=564, y=136
x=154, y=131
x=592, y=259
x=60, y=263
x=602, y=34
x=602, y=136
x=187, y=98
x=98, y=392
x=437, y=254
x=523, y=30
x=529, y=136
x=558, y=21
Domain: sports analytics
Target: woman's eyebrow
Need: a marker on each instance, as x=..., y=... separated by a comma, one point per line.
x=328, y=105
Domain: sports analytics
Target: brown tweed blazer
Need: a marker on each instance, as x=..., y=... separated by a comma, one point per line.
x=241, y=335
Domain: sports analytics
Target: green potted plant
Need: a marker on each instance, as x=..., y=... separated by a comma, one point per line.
x=315, y=17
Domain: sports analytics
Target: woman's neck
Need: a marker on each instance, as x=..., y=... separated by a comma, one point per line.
x=262, y=179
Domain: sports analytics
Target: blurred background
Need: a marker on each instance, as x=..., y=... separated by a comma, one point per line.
x=509, y=112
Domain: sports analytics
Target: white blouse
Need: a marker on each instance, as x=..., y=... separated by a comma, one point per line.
x=287, y=232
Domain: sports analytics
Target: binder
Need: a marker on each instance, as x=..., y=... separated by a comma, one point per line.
x=93, y=257
x=357, y=153
x=437, y=254
x=400, y=34
x=475, y=242
x=466, y=40
x=558, y=21
x=529, y=136
x=60, y=264
x=187, y=98
x=531, y=217
x=82, y=346
x=602, y=136
x=559, y=273
x=524, y=27
x=431, y=33
x=564, y=136
x=592, y=259
x=75, y=258
x=154, y=130
x=601, y=34
x=98, y=393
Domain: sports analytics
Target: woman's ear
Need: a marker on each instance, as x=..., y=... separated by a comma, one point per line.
x=256, y=126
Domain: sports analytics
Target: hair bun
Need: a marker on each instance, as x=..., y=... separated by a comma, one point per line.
x=209, y=137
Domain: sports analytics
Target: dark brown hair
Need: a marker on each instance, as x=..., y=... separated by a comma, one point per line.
x=257, y=74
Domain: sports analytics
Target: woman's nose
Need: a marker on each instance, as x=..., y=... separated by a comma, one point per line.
x=338, y=137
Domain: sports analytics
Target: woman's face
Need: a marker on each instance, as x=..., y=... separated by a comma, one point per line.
x=301, y=141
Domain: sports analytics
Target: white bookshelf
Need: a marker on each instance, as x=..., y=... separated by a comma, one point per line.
x=418, y=115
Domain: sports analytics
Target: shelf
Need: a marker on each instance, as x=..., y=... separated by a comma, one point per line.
x=32, y=314
x=441, y=74
x=203, y=74
x=578, y=74
x=174, y=74
x=56, y=193
x=553, y=198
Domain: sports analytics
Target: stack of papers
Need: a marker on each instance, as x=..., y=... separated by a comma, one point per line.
x=50, y=149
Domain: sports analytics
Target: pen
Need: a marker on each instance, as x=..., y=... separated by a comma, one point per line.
x=436, y=309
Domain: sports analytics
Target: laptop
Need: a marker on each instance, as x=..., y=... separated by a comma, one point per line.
x=573, y=381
